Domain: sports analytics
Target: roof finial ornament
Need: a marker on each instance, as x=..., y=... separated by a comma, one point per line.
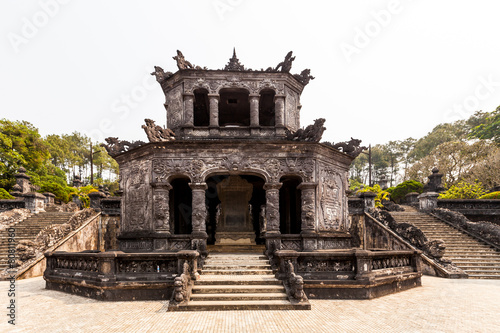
x=234, y=63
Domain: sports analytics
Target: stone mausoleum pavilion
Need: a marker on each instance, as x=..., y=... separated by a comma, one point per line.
x=233, y=171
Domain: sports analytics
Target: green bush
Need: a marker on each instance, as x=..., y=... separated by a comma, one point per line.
x=408, y=186
x=464, y=190
x=492, y=195
x=61, y=192
x=381, y=194
x=5, y=195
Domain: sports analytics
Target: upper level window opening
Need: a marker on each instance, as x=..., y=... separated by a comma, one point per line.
x=201, y=108
x=234, y=107
x=266, y=108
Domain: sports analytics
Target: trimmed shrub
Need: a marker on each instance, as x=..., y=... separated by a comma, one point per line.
x=492, y=195
x=398, y=193
x=381, y=194
x=464, y=190
x=5, y=195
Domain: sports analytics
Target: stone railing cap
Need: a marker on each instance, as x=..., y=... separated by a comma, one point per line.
x=34, y=195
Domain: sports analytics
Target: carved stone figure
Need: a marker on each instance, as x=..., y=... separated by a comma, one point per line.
x=182, y=63
x=304, y=77
x=351, y=147
x=156, y=133
x=160, y=74
x=311, y=133
x=286, y=65
x=115, y=146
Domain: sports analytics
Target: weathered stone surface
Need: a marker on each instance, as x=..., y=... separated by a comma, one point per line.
x=13, y=216
x=49, y=236
x=483, y=229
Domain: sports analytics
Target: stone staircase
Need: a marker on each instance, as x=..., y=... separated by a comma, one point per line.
x=28, y=229
x=239, y=281
x=477, y=259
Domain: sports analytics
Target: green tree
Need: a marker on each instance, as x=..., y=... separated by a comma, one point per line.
x=455, y=160
x=489, y=128
x=20, y=145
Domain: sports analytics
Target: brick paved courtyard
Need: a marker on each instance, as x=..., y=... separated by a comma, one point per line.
x=440, y=305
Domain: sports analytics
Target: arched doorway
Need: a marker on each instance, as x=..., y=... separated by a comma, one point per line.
x=236, y=208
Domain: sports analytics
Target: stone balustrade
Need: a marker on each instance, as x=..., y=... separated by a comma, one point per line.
x=112, y=275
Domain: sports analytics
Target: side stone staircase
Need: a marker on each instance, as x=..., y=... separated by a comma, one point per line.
x=239, y=281
x=477, y=259
x=28, y=229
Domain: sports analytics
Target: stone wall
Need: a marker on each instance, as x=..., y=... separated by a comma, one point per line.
x=8, y=204
x=474, y=209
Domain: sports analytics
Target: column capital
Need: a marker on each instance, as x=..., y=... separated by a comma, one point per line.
x=254, y=96
x=307, y=186
x=198, y=186
x=214, y=96
x=161, y=185
x=278, y=97
x=272, y=186
x=187, y=94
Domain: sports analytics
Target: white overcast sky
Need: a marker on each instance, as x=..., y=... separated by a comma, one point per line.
x=385, y=70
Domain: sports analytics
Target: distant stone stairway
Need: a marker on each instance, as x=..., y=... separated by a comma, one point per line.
x=239, y=281
x=474, y=257
x=28, y=229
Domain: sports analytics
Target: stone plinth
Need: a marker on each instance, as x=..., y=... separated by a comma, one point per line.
x=427, y=201
x=49, y=198
x=35, y=202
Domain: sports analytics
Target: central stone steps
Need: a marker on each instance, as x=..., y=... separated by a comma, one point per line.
x=239, y=281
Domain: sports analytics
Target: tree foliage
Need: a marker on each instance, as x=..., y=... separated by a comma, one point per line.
x=52, y=161
x=464, y=150
x=489, y=128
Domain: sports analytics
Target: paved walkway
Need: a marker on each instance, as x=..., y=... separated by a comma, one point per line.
x=440, y=305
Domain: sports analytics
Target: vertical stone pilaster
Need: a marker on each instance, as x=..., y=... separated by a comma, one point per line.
x=199, y=212
x=279, y=107
x=189, y=109
x=308, y=199
x=254, y=110
x=272, y=207
x=214, y=110
x=161, y=208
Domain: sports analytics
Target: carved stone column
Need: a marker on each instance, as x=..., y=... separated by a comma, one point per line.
x=279, y=107
x=272, y=207
x=199, y=212
x=254, y=110
x=308, y=226
x=214, y=110
x=161, y=213
x=189, y=109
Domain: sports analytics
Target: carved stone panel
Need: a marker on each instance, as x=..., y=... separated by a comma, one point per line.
x=331, y=203
x=137, y=198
